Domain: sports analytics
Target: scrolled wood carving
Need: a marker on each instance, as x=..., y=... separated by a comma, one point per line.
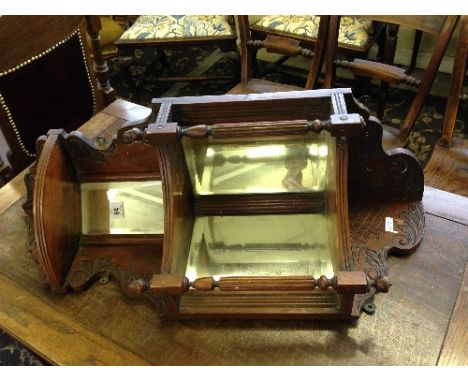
x=410, y=228
x=89, y=271
x=126, y=277
x=82, y=146
x=371, y=244
x=376, y=175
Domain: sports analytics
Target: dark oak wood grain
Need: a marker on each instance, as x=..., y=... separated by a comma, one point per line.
x=56, y=235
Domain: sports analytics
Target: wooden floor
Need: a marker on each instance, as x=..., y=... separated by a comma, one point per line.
x=448, y=168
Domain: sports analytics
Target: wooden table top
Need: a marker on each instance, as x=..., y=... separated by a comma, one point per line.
x=421, y=321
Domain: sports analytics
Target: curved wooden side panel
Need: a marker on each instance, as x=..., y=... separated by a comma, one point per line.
x=56, y=210
x=377, y=175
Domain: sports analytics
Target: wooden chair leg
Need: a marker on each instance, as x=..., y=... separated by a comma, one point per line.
x=456, y=85
x=391, y=40
x=332, y=43
x=428, y=77
x=414, y=55
x=319, y=53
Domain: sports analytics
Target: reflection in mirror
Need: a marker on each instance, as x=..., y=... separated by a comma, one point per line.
x=227, y=166
x=122, y=208
x=261, y=245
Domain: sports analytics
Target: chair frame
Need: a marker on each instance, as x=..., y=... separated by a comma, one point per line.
x=347, y=50
x=460, y=67
x=393, y=74
x=126, y=49
x=28, y=50
x=278, y=43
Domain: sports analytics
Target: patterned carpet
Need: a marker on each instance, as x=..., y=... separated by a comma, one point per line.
x=14, y=354
x=421, y=141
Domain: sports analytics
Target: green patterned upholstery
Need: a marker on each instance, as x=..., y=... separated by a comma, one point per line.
x=354, y=31
x=178, y=27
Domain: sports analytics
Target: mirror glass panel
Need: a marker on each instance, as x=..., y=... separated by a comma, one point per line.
x=261, y=245
x=227, y=166
x=122, y=208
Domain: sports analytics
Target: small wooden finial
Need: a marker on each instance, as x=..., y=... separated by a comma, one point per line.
x=137, y=286
x=323, y=282
x=382, y=284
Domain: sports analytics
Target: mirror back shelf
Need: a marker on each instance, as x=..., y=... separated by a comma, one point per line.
x=235, y=206
x=262, y=227
x=98, y=207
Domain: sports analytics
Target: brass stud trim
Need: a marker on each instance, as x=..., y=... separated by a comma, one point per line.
x=4, y=105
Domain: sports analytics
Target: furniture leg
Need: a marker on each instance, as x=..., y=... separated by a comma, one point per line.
x=332, y=44
x=320, y=47
x=391, y=39
x=429, y=76
x=456, y=85
x=414, y=55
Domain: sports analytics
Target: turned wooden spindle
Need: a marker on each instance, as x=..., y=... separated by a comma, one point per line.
x=100, y=65
x=281, y=45
x=177, y=285
x=306, y=52
x=252, y=129
x=275, y=44
x=264, y=283
x=384, y=72
x=324, y=283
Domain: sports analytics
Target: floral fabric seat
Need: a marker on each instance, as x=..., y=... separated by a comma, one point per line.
x=354, y=32
x=158, y=27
